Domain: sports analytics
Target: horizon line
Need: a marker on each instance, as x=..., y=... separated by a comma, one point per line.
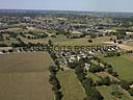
x=29, y=9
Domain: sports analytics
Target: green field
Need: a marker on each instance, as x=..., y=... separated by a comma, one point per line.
x=71, y=87
x=25, y=76
x=106, y=91
x=25, y=40
x=123, y=65
x=19, y=29
x=83, y=41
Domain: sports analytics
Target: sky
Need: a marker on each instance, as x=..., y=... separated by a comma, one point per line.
x=76, y=5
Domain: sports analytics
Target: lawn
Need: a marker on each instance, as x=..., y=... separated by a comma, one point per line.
x=71, y=87
x=25, y=76
x=106, y=91
x=123, y=65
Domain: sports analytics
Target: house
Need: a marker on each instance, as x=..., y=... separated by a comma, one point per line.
x=72, y=58
x=87, y=66
x=131, y=86
x=1, y=53
x=129, y=33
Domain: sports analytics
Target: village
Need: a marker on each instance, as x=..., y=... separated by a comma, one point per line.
x=84, y=57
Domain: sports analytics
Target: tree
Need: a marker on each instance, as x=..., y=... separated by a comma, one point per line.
x=131, y=91
x=117, y=93
x=50, y=42
x=115, y=74
x=120, y=42
x=118, y=54
x=106, y=81
x=80, y=73
x=58, y=95
x=93, y=35
x=111, y=39
x=93, y=94
x=55, y=82
x=90, y=41
x=110, y=70
x=114, y=41
x=95, y=69
x=87, y=82
x=53, y=69
x=124, y=85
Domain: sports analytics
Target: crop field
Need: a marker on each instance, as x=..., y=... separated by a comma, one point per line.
x=106, y=91
x=123, y=65
x=71, y=87
x=25, y=76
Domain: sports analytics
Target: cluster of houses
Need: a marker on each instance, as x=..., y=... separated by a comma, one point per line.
x=66, y=57
x=5, y=50
x=106, y=49
x=70, y=54
x=70, y=24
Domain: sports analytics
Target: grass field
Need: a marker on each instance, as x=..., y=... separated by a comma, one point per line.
x=107, y=90
x=71, y=87
x=25, y=76
x=123, y=65
x=83, y=41
x=15, y=29
x=34, y=30
x=43, y=41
